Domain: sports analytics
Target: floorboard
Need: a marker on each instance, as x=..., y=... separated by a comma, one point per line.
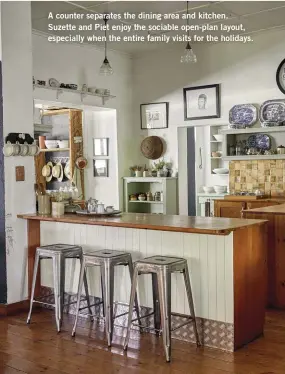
x=37, y=348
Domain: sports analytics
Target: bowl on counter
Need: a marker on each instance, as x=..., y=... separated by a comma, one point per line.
x=63, y=143
x=218, y=137
x=207, y=189
x=51, y=144
x=221, y=171
x=220, y=189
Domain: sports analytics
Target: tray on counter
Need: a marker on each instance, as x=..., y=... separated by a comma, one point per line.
x=93, y=214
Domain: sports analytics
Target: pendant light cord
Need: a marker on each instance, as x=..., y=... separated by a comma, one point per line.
x=105, y=20
x=188, y=18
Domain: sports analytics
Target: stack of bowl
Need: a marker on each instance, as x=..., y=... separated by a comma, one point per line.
x=220, y=189
x=208, y=189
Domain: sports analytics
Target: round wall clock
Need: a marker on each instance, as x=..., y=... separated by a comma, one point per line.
x=280, y=76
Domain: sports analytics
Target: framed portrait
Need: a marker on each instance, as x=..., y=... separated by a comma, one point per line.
x=101, y=168
x=202, y=102
x=101, y=146
x=154, y=115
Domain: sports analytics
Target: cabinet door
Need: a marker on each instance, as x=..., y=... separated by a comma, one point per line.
x=229, y=209
x=260, y=204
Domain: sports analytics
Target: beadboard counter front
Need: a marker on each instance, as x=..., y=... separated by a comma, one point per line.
x=201, y=225
x=226, y=260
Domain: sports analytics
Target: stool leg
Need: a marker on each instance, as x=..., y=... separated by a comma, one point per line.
x=36, y=265
x=103, y=302
x=61, y=287
x=107, y=272
x=164, y=291
x=131, y=270
x=56, y=285
x=87, y=292
x=190, y=302
x=156, y=308
x=131, y=306
x=79, y=291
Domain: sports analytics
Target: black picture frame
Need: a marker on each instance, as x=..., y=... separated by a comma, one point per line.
x=104, y=151
x=96, y=168
x=281, y=88
x=217, y=98
x=166, y=109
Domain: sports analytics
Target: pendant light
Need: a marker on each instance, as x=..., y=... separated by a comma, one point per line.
x=188, y=55
x=106, y=68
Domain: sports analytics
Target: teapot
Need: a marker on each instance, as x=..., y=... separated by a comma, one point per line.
x=91, y=205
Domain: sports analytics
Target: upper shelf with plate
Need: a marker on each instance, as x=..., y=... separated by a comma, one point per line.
x=61, y=90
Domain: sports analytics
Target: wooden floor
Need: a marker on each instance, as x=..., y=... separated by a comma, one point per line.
x=39, y=349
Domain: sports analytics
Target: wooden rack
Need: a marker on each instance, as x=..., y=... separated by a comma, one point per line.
x=75, y=148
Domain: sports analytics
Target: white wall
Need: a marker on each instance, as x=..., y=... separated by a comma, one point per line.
x=246, y=73
x=101, y=124
x=17, y=117
x=80, y=64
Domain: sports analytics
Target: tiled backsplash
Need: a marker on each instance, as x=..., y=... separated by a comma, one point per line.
x=265, y=175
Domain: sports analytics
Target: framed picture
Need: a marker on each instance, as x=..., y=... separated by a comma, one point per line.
x=101, y=146
x=101, y=168
x=202, y=102
x=154, y=115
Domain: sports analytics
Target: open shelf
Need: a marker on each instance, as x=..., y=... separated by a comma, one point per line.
x=146, y=201
x=55, y=149
x=253, y=130
x=215, y=141
x=83, y=94
x=254, y=157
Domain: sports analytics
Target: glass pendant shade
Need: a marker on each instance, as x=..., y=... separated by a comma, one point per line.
x=106, y=68
x=188, y=55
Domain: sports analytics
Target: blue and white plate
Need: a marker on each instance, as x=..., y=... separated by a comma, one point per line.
x=272, y=111
x=242, y=115
x=260, y=141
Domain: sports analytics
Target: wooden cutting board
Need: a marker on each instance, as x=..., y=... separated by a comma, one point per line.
x=245, y=197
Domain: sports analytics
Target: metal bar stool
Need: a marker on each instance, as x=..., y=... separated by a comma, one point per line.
x=107, y=260
x=58, y=253
x=161, y=268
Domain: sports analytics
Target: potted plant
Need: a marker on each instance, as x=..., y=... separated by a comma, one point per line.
x=158, y=166
x=138, y=171
x=145, y=172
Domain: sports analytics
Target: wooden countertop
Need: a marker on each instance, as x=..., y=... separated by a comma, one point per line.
x=200, y=225
x=274, y=209
x=267, y=199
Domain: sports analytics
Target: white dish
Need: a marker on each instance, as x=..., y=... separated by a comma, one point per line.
x=220, y=189
x=100, y=91
x=218, y=137
x=221, y=171
x=51, y=144
x=63, y=143
x=208, y=189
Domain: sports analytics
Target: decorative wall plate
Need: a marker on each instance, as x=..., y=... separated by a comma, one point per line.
x=263, y=142
x=152, y=147
x=243, y=115
x=260, y=141
x=280, y=76
x=272, y=111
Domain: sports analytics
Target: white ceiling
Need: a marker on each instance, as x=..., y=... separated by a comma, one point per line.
x=256, y=16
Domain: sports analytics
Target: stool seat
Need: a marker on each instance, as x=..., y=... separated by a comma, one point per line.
x=107, y=260
x=161, y=268
x=58, y=253
x=160, y=260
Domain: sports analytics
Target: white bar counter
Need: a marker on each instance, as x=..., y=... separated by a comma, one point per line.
x=226, y=259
